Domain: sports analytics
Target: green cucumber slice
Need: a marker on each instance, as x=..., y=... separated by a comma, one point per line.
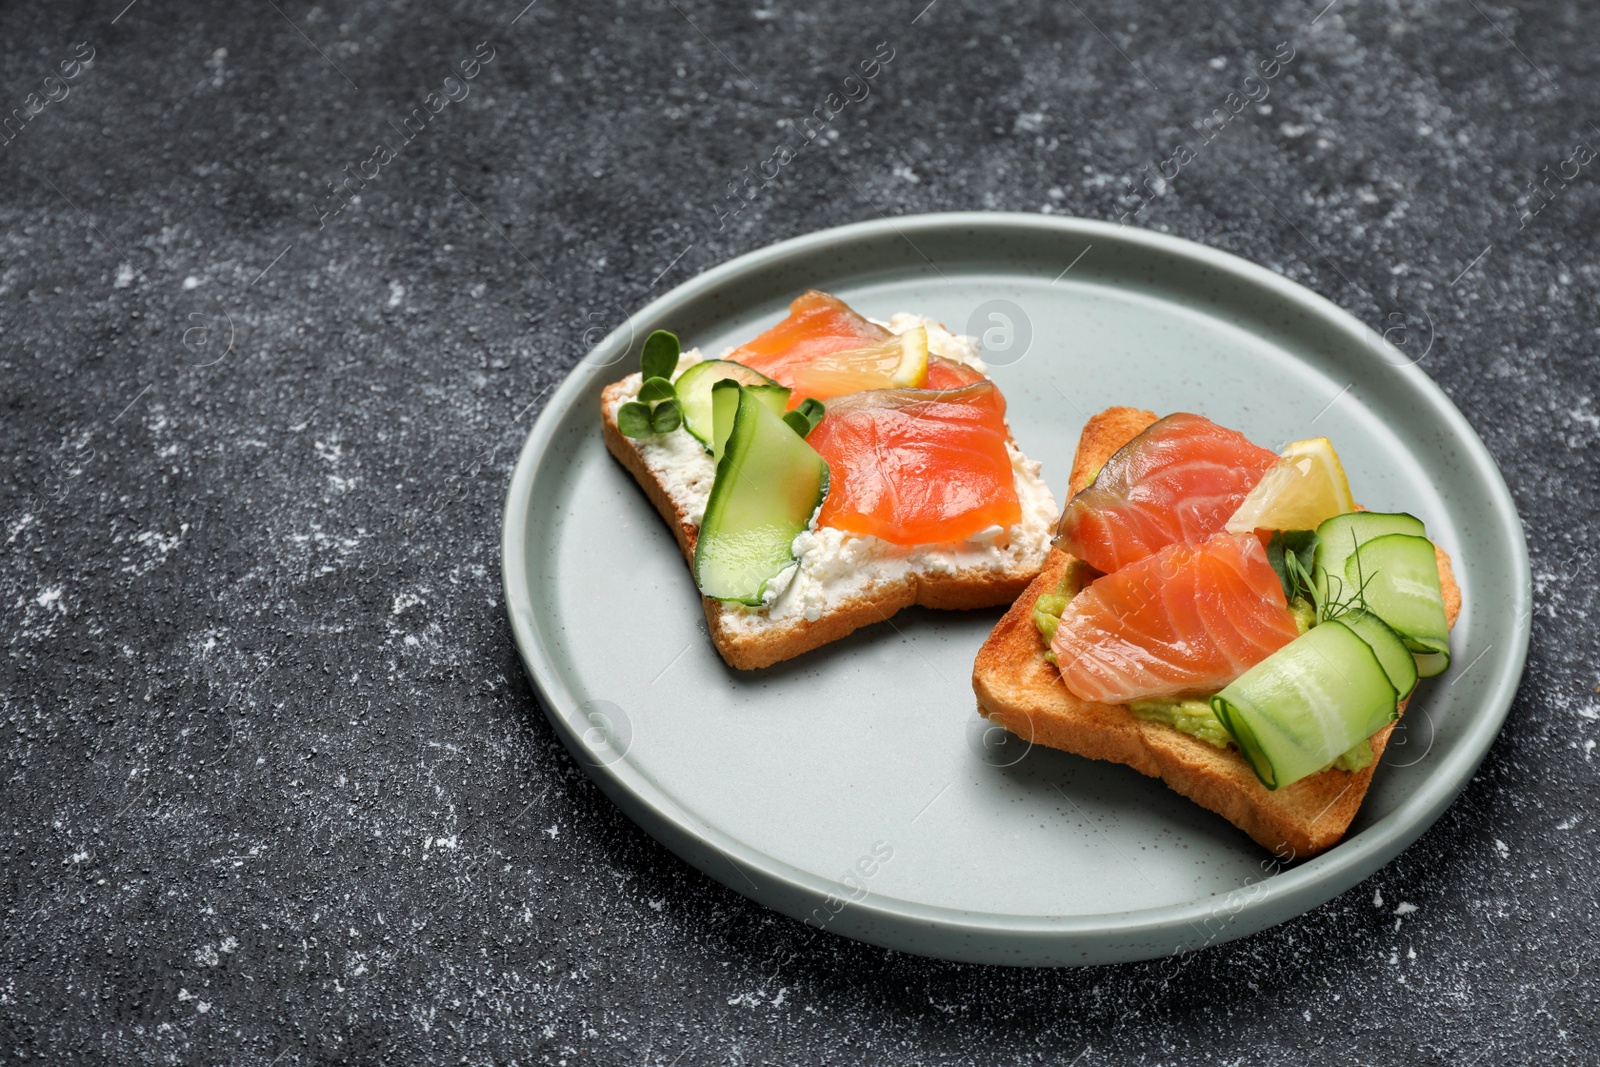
x=1307, y=704
x=769, y=484
x=1431, y=664
x=1337, y=540
x=773, y=395
x=1401, y=574
x=724, y=406
x=725, y=401
x=694, y=393
x=1398, y=662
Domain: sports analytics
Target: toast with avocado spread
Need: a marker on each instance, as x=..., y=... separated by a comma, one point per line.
x=1237, y=751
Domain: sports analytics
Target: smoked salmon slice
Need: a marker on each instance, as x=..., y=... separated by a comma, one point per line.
x=918, y=466
x=1178, y=482
x=817, y=325
x=1187, y=620
x=948, y=374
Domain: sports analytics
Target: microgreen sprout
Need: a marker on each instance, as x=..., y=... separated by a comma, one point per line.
x=659, y=356
x=666, y=417
x=633, y=419
x=656, y=410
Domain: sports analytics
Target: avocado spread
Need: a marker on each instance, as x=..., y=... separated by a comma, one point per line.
x=1190, y=715
x=1193, y=716
x=1357, y=758
x=1305, y=616
x=1047, y=613
x=1048, y=608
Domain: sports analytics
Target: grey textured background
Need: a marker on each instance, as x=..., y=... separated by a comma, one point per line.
x=274, y=787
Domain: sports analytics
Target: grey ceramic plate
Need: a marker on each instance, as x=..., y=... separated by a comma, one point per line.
x=855, y=787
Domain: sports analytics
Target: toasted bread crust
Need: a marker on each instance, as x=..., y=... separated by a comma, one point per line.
x=1017, y=688
x=745, y=649
x=1102, y=435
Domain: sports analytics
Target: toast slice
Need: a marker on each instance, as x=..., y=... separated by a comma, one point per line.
x=1019, y=689
x=974, y=576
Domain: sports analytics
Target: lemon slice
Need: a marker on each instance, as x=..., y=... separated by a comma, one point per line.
x=1305, y=487
x=900, y=362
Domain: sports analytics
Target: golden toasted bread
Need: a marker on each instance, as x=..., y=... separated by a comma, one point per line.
x=1019, y=689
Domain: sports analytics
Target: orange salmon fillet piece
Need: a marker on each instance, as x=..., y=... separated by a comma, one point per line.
x=817, y=325
x=1188, y=619
x=918, y=466
x=1178, y=482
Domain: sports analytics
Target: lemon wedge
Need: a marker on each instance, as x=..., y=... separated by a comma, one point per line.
x=1305, y=487
x=899, y=362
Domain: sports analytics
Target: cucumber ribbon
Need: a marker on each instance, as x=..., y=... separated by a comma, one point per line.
x=1382, y=624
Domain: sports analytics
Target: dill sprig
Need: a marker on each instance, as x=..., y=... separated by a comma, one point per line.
x=1352, y=604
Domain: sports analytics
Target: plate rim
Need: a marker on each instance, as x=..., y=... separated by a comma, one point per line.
x=1029, y=940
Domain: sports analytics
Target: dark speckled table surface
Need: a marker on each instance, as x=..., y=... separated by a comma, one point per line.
x=273, y=786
